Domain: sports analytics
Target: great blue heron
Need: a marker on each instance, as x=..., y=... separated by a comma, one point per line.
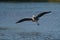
x=34, y=18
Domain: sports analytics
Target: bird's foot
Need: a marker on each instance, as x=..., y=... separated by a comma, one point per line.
x=38, y=24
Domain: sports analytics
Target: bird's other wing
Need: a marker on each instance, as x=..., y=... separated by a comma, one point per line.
x=24, y=19
x=43, y=13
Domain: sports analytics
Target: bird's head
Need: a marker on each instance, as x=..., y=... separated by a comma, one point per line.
x=33, y=16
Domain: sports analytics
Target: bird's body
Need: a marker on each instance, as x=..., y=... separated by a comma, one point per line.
x=34, y=18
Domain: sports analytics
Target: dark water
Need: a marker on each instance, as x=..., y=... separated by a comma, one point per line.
x=49, y=28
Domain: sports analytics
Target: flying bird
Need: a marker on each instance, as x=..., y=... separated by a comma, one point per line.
x=34, y=18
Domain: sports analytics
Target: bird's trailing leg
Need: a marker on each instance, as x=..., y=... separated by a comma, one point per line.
x=38, y=23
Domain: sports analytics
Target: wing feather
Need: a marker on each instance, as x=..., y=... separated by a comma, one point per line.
x=24, y=19
x=43, y=13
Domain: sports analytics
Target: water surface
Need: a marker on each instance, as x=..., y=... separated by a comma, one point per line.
x=49, y=28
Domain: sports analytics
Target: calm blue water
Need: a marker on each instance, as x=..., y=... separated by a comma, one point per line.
x=49, y=28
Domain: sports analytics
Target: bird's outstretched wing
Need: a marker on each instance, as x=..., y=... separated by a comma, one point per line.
x=43, y=13
x=24, y=19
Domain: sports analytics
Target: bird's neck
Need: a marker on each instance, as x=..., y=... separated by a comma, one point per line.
x=33, y=18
